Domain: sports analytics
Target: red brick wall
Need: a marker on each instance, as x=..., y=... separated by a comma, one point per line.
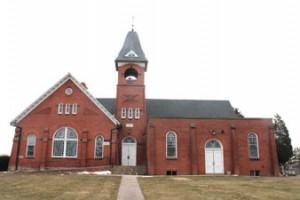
x=131, y=94
x=44, y=121
x=234, y=141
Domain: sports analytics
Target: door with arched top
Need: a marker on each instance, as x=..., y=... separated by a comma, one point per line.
x=214, y=161
x=129, y=152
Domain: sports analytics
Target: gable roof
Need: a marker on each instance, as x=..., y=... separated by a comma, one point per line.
x=132, y=50
x=175, y=108
x=56, y=86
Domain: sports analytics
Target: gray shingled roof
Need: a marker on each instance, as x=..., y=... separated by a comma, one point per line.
x=170, y=108
x=132, y=43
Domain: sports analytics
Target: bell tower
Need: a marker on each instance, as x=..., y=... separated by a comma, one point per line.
x=131, y=65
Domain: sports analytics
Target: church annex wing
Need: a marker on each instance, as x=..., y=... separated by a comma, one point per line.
x=50, y=91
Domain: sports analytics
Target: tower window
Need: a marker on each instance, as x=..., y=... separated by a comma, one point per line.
x=123, y=113
x=131, y=74
x=137, y=113
x=130, y=113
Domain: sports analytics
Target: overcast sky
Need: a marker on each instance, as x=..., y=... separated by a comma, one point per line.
x=247, y=52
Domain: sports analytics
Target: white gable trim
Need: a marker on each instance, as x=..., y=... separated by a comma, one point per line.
x=131, y=54
x=57, y=85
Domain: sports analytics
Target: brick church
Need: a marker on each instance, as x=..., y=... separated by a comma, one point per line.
x=66, y=127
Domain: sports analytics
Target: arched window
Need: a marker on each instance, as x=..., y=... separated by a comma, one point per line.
x=99, y=147
x=253, y=146
x=65, y=143
x=171, y=145
x=30, y=145
x=213, y=144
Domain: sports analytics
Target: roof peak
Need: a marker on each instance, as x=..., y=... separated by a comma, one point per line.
x=131, y=51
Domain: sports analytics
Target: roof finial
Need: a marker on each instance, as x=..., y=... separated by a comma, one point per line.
x=132, y=25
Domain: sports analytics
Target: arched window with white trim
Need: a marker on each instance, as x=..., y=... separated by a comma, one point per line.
x=65, y=142
x=30, y=148
x=253, y=147
x=171, y=145
x=99, y=147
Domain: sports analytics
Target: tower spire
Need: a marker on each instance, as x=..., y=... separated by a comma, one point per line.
x=132, y=24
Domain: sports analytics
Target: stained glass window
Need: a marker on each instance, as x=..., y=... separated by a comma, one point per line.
x=99, y=147
x=253, y=146
x=65, y=143
x=171, y=145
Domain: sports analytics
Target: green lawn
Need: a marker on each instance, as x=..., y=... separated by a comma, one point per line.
x=223, y=188
x=57, y=186
x=52, y=185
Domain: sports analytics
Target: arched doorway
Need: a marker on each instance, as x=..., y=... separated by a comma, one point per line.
x=214, y=161
x=129, y=152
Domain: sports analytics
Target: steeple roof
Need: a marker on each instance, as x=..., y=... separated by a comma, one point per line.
x=131, y=51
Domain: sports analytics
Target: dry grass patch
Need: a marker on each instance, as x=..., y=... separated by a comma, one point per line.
x=223, y=188
x=57, y=186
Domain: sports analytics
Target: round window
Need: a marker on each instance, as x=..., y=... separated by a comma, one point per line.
x=69, y=91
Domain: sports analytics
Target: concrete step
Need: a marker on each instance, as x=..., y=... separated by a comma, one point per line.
x=130, y=170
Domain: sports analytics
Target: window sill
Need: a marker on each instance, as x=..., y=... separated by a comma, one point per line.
x=171, y=158
x=253, y=159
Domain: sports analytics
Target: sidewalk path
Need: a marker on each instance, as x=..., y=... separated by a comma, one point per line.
x=130, y=189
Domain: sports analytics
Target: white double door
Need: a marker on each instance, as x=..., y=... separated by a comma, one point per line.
x=214, y=163
x=128, y=154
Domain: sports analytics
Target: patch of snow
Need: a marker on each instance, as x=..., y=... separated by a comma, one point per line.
x=96, y=173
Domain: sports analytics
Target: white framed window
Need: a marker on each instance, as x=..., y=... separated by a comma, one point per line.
x=137, y=113
x=60, y=108
x=99, y=147
x=130, y=113
x=30, y=149
x=74, y=109
x=253, y=146
x=171, y=145
x=65, y=142
x=67, y=109
x=123, y=113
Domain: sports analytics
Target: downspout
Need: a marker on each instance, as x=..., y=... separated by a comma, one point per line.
x=19, y=132
x=111, y=132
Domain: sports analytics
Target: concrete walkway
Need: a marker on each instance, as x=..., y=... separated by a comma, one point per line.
x=130, y=189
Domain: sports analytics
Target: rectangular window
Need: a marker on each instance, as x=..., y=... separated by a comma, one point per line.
x=130, y=113
x=30, y=151
x=60, y=108
x=123, y=113
x=171, y=173
x=254, y=172
x=67, y=109
x=30, y=145
x=74, y=109
x=137, y=113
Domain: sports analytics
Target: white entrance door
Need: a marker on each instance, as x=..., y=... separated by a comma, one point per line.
x=214, y=163
x=129, y=152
